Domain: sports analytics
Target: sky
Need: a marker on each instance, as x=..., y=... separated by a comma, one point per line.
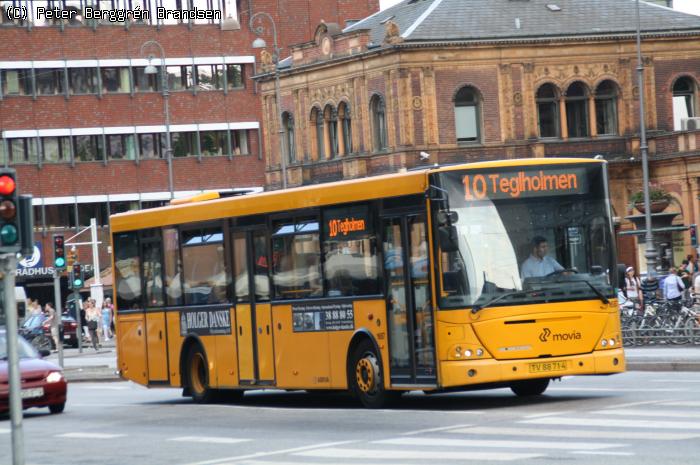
x=687, y=6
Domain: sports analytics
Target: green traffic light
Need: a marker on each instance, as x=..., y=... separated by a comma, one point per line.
x=8, y=234
x=60, y=262
x=77, y=283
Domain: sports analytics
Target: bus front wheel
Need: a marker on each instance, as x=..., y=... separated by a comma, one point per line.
x=198, y=376
x=366, y=376
x=529, y=387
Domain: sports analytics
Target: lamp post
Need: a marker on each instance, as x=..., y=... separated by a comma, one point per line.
x=650, y=253
x=260, y=43
x=150, y=69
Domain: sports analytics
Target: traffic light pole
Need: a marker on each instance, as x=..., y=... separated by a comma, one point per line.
x=57, y=322
x=8, y=265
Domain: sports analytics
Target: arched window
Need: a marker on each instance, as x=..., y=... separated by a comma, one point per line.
x=467, y=114
x=346, y=128
x=547, y=99
x=577, y=110
x=317, y=120
x=289, y=141
x=377, y=113
x=330, y=116
x=606, y=108
x=683, y=101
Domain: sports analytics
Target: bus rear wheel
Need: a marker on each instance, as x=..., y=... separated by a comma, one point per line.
x=367, y=378
x=198, y=376
x=529, y=387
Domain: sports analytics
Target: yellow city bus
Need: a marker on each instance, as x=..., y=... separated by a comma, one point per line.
x=471, y=276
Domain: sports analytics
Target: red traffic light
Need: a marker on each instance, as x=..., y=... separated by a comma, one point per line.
x=7, y=185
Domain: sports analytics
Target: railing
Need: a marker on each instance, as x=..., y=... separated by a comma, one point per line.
x=661, y=323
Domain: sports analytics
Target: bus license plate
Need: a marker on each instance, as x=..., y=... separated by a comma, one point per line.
x=541, y=367
x=31, y=393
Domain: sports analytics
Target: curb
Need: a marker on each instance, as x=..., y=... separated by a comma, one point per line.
x=91, y=374
x=663, y=366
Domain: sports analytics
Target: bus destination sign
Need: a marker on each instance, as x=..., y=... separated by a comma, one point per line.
x=205, y=322
x=323, y=317
x=524, y=184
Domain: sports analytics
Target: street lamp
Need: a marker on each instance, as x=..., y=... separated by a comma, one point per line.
x=650, y=253
x=150, y=69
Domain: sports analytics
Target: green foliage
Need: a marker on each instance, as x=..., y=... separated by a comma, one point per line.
x=655, y=194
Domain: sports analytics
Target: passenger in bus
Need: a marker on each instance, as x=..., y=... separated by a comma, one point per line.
x=539, y=264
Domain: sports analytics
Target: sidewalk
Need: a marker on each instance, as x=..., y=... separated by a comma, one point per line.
x=102, y=365
x=90, y=365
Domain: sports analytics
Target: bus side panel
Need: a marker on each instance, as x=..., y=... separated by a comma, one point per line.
x=244, y=334
x=302, y=358
x=156, y=345
x=227, y=373
x=131, y=343
x=174, y=347
x=209, y=344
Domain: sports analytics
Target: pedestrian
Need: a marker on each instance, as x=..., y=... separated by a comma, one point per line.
x=673, y=288
x=108, y=302
x=106, y=319
x=51, y=313
x=633, y=288
x=33, y=307
x=93, y=314
x=83, y=305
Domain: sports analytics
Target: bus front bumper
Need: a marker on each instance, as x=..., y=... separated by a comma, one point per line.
x=456, y=373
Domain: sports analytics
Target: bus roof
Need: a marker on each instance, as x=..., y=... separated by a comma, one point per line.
x=374, y=187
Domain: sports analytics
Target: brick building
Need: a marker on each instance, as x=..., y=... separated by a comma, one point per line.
x=488, y=79
x=84, y=124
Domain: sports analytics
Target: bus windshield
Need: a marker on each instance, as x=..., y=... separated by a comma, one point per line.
x=520, y=235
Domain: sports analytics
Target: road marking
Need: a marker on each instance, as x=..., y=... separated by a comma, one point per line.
x=230, y=460
x=683, y=403
x=442, y=442
x=99, y=387
x=576, y=433
x=676, y=381
x=403, y=454
x=432, y=430
x=5, y=431
x=649, y=413
x=613, y=389
x=208, y=439
x=89, y=435
x=615, y=423
x=589, y=452
x=549, y=414
x=634, y=404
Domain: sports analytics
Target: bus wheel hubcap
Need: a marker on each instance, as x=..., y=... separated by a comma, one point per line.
x=366, y=374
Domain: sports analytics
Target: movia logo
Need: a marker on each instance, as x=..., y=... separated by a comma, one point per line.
x=571, y=336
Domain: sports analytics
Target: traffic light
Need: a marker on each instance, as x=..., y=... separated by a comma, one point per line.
x=9, y=227
x=26, y=225
x=59, y=252
x=77, y=276
x=694, y=235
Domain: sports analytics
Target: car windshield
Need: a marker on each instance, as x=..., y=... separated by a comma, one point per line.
x=25, y=350
x=546, y=229
x=33, y=321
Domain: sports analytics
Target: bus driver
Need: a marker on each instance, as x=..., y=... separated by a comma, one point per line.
x=538, y=264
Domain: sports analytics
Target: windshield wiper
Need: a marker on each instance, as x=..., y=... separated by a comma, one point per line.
x=477, y=308
x=597, y=292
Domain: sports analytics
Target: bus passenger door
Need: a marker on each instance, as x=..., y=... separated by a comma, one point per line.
x=157, y=349
x=409, y=310
x=253, y=309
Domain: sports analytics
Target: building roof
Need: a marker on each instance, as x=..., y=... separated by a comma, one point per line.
x=474, y=20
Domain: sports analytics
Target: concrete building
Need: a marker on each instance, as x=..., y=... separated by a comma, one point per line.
x=469, y=80
x=84, y=124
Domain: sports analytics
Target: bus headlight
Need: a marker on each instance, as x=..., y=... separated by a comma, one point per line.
x=467, y=353
x=458, y=352
x=604, y=343
x=612, y=342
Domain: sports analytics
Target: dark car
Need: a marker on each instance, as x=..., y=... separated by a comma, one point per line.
x=43, y=384
x=68, y=334
x=32, y=328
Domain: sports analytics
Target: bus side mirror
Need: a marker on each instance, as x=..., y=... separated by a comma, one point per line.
x=445, y=217
x=448, y=238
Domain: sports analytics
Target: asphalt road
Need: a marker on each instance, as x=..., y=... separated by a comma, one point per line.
x=634, y=418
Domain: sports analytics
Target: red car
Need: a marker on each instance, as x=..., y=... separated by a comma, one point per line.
x=43, y=384
x=69, y=334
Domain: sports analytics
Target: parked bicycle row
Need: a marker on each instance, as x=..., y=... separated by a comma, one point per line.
x=660, y=321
